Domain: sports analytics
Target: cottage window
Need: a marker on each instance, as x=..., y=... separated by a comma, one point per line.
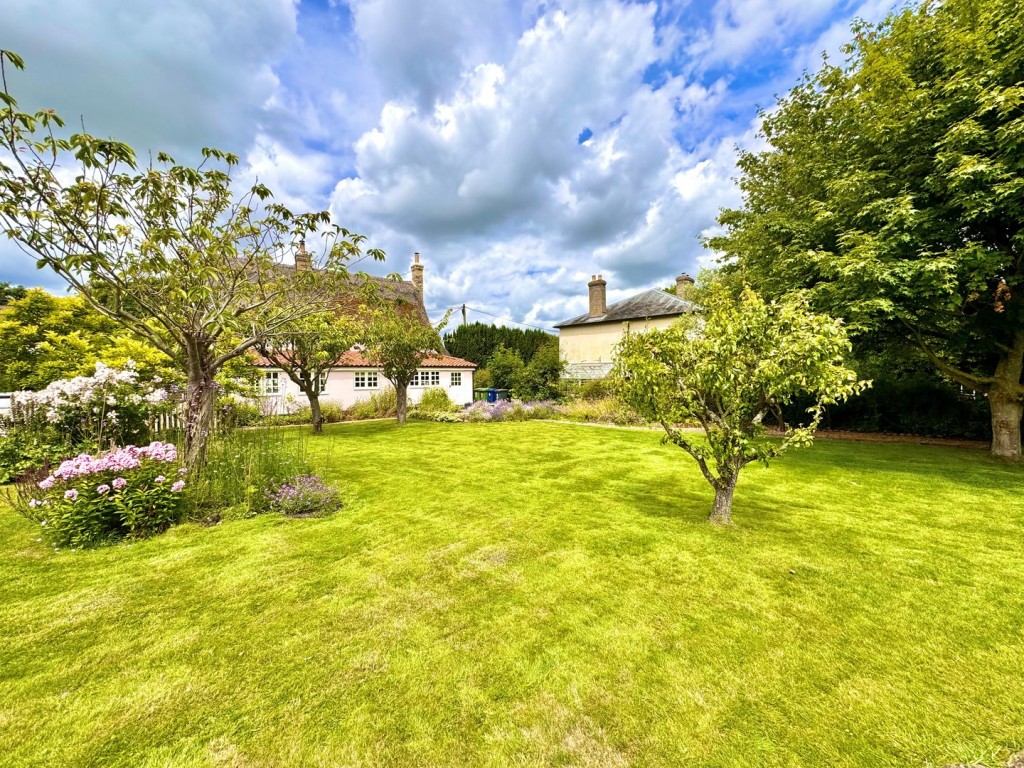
x=366, y=379
x=426, y=379
x=456, y=378
x=270, y=384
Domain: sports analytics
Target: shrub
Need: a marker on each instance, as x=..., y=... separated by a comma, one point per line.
x=436, y=400
x=606, y=410
x=304, y=496
x=508, y=410
x=596, y=389
x=238, y=413
x=332, y=412
x=126, y=492
x=381, y=405
x=111, y=406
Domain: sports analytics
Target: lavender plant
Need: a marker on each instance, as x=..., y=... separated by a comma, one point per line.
x=304, y=496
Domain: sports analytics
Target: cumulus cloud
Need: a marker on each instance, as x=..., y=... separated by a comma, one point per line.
x=521, y=146
x=174, y=75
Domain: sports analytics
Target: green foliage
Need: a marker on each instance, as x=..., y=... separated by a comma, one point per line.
x=727, y=369
x=482, y=379
x=601, y=410
x=175, y=254
x=505, y=366
x=917, y=405
x=397, y=342
x=380, y=405
x=540, y=379
x=436, y=400
x=309, y=347
x=477, y=342
x=892, y=192
x=10, y=292
x=304, y=496
x=23, y=451
x=596, y=389
x=243, y=466
x=124, y=493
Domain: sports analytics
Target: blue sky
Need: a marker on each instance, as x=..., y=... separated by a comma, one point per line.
x=519, y=146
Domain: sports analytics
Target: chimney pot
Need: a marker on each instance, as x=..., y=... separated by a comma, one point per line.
x=598, y=296
x=683, y=284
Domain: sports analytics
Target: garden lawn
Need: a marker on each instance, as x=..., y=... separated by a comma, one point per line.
x=539, y=594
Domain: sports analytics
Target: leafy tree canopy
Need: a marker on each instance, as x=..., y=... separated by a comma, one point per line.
x=477, y=342
x=398, y=342
x=726, y=369
x=892, y=192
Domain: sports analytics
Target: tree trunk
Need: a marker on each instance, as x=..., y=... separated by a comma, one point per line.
x=1006, y=401
x=401, y=396
x=1006, y=416
x=200, y=398
x=721, y=512
x=314, y=408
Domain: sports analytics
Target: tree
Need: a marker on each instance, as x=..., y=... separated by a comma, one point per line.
x=505, y=367
x=398, y=342
x=477, y=342
x=168, y=251
x=307, y=349
x=726, y=369
x=892, y=192
x=539, y=379
x=10, y=292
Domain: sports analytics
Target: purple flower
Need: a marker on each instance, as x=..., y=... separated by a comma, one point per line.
x=71, y=494
x=182, y=471
x=47, y=484
x=102, y=489
x=178, y=486
x=119, y=483
x=35, y=503
x=159, y=479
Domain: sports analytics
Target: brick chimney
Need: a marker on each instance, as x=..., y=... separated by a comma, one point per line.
x=417, y=273
x=598, y=296
x=683, y=285
x=303, y=260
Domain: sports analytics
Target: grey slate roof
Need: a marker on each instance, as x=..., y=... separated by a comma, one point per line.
x=652, y=303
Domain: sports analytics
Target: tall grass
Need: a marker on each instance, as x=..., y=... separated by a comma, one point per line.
x=243, y=466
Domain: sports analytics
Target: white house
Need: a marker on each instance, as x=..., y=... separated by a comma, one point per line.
x=355, y=379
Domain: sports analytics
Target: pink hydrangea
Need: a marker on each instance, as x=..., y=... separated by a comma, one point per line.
x=119, y=483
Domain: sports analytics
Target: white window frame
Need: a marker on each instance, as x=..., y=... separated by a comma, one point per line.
x=370, y=380
x=456, y=379
x=426, y=379
x=270, y=378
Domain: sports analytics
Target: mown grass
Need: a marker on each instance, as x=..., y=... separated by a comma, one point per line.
x=539, y=594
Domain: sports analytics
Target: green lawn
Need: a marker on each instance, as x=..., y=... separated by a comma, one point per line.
x=539, y=594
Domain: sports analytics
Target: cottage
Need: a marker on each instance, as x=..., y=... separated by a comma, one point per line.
x=353, y=378
x=587, y=342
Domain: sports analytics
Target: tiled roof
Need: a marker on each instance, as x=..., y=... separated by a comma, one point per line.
x=355, y=359
x=652, y=303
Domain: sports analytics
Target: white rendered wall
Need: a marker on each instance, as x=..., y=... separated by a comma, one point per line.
x=341, y=389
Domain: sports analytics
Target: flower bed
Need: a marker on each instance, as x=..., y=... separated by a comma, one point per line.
x=126, y=492
x=304, y=496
